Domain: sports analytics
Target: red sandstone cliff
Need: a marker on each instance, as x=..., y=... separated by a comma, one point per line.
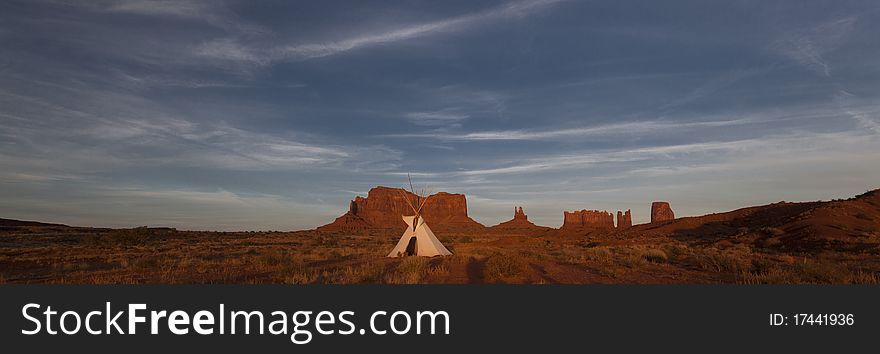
x=587, y=219
x=383, y=207
x=660, y=211
x=520, y=221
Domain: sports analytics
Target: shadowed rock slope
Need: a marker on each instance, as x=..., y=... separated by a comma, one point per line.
x=851, y=225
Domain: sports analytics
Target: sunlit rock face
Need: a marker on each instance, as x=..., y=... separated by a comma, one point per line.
x=383, y=207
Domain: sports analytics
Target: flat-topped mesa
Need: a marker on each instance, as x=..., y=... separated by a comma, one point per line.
x=624, y=220
x=383, y=207
x=587, y=219
x=520, y=221
x=660, y=211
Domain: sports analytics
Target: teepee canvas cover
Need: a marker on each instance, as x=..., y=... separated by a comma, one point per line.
x=418, y=240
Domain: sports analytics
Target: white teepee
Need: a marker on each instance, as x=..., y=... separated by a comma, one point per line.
x=418, y=239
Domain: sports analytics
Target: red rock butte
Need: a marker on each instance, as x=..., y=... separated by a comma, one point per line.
x=383, y=207
x=624, y=220
x=660, y=211
x=520, y=221
x=587, y=219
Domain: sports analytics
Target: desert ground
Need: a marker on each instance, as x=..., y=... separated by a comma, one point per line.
x=835, y=242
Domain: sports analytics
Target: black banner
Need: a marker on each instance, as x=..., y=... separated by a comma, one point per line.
x=492, y=318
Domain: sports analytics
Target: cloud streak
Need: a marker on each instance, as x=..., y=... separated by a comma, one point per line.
x=444, y=118
x=862, y=117
x=234, y=50
x=674, y=158
x=212, y=12
x=640, y=127
x=125, y=129
x=809, y=47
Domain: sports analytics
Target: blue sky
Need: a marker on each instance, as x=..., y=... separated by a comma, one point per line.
x=237, y=115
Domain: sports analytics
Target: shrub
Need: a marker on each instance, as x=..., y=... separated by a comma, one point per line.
x=864, y=216
x=735, y=260
x=599, y=254
x=631, y=260
x=770, y=242
x=591, y=244
x=500, y=266
x=678, y=253
x=655, y=256
x=772, y=231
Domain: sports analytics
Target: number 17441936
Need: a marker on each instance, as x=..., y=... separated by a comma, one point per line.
x=812, y=319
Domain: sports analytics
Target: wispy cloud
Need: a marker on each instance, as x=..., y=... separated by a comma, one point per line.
x=237, y=50
x=639, y=127
x=212, y=12
x=809, y=47
x=118, y=128
x=586, y=159
x=713, y=85
x=168, y=81
x=36, y=177
x=716, y=156
x=181, y=8
x=866, y=119
x=442, y=118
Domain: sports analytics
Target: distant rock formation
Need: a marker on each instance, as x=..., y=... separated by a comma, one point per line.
x=587, y=219
x=23, y=223
x=520, y=221
x=518, y=214
x=349, y=222
x=383, y=207
x=660, y=211
x=624, y=220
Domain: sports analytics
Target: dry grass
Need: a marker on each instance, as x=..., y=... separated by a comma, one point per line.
x=410, y=270
x=810, y=272
x=439, y=270
x=731, y=260
x=136, y=256
x=500, y=267
x=601, y=255
x=123, y=237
